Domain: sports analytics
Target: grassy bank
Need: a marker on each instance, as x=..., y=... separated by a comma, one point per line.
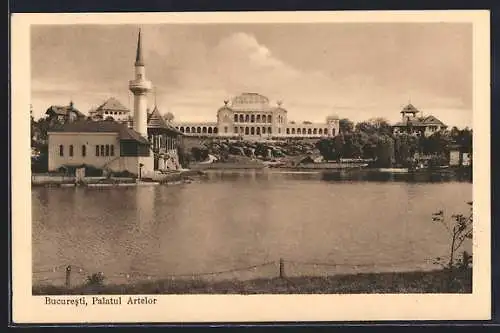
x=438, y=281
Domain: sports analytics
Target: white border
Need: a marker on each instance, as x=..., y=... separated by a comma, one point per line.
x=208, y=308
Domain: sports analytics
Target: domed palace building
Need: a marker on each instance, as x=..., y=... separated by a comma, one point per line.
x=250, y=115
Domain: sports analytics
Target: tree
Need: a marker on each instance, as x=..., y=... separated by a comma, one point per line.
x=438, y=144
x=381, y=125
x=32, y=125
x=184, y=157
x=168, y=117
x=326, y=149
x=346, y=126
x=366, y=127
x=385, y=151
x=338, y=146
x=199, y=154
x=405, y=147
x=353, y=145
x=459, y=230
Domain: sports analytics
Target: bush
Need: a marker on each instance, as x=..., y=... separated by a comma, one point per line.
x=96, y=279
x=124, y=174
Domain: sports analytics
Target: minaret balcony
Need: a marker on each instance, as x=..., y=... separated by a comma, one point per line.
x=140, y=86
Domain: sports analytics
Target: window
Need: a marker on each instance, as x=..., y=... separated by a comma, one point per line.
x=235, y=118
x=225, y=129
x=84, y=150
x=279, y=130
x=70, y=150
x=97, y=150
x=61, y=150
x=107, y=150
x=236, y=130
x=102, y=150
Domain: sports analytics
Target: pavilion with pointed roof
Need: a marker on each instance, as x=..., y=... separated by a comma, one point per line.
x=164, y=140
x=412, y=123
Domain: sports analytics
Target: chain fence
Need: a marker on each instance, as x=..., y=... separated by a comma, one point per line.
x=74, y=275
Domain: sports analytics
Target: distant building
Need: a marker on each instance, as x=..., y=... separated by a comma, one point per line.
x=459, y=155
x=251, y=115
x=111, y=109
x=413, y=124
x=58, y=114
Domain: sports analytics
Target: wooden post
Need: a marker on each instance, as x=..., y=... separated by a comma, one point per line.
x=282, y=268
x=68, y=276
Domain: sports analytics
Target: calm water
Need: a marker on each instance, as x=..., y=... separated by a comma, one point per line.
x=242, y=218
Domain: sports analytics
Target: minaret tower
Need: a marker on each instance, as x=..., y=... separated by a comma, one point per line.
x=140, y=87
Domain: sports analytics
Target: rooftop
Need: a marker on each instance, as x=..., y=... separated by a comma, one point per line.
x=64, y=110
x=103, y=126
x=155, y=120
x=410, y=109
x=112, y=104
x=421, y=122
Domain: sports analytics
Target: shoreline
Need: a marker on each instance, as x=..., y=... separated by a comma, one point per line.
x=171, y=178
x=186, y=176
x=436, y=281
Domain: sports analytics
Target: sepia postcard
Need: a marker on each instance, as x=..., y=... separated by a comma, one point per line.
x=250, y=167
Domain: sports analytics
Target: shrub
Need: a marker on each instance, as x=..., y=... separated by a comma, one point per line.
x=459, y=229
x=96, y=279
x=124, y=174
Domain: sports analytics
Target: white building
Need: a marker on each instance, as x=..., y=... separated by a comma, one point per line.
x=100, y=144
x=111, y=109
x=110, y=143
x=415, y=124
x=251, y=115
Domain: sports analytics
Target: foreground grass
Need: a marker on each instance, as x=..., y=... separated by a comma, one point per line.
x=438, y=281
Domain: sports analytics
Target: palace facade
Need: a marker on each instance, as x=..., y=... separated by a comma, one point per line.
x=251, y=115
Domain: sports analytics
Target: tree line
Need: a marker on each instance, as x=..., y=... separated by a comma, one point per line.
x=374, y=139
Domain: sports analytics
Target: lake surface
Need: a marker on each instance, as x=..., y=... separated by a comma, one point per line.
x=319, y=224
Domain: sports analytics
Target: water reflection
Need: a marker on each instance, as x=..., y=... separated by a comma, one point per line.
x=376, y=176
x=239, y=218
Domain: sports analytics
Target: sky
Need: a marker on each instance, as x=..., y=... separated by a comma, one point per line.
x=354, y=70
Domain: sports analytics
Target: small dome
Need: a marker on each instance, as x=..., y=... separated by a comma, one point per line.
x=333, y=117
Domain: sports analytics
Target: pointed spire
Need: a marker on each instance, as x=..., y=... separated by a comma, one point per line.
x=155, y=96
x=138, y=57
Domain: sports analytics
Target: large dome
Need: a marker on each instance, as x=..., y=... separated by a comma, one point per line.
x=250, y=98
x=250, y=101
